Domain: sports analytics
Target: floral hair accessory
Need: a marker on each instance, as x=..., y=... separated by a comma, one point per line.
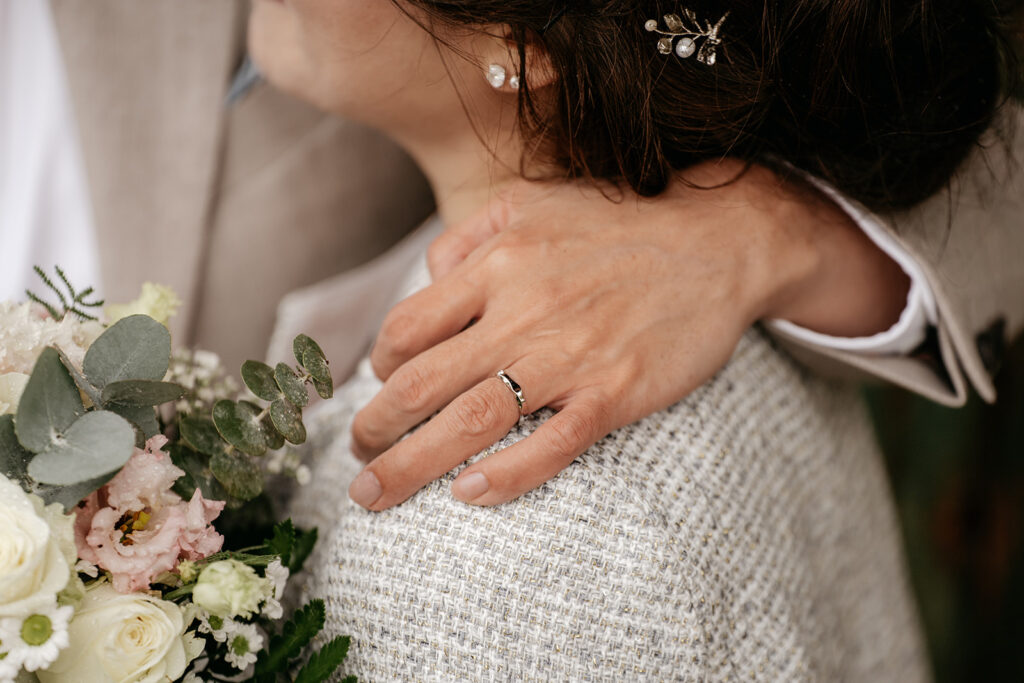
x=683, y=33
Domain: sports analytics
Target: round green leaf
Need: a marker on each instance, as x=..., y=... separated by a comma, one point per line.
x=239, y=424
x=141, y=393
x=202, y=435
x=325, y=389
x=259, y=377
x=97, y=443
x=274, y=438
x=288, y=420
x=49, y=404
x=294, y=388
x=316, y=366
x=302, y=345
x=238, y=474
x=136, y=347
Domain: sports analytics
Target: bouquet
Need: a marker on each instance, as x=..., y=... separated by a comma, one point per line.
x=120, y=466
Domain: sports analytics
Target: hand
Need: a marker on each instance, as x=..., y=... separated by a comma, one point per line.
x=604, y=311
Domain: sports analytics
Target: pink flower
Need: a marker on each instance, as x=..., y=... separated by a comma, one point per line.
x=199, y=539
x=136, y=528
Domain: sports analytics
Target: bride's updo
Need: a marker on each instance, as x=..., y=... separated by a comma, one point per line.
x=883, y=98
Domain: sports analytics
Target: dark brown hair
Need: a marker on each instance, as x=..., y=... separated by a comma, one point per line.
x=882, y=98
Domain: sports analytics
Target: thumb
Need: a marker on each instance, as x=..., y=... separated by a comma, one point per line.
x=460, y=239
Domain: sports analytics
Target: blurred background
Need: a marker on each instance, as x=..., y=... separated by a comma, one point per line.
x=958, y=479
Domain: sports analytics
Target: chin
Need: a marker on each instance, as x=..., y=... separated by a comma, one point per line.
x=276, y=46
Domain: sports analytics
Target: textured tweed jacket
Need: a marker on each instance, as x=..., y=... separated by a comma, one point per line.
x=747, y=532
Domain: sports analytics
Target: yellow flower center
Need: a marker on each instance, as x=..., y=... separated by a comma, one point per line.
x=132, y=521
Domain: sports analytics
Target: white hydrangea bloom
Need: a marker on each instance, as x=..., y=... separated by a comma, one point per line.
x=25, y=331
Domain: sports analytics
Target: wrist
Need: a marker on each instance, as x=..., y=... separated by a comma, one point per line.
x=834, y=279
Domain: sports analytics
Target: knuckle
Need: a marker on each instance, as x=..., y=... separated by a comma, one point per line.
x=398, y=333
x=473, y=415
x=365, y=438
x=411, y=389
x=572, y=433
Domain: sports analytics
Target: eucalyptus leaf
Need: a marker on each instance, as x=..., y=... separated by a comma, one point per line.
x=325, y=389
x=136, y=347
x=13, y=457
x=96, y=444
x=83, y=384
x=288, y=420
x=70, y=496
x=259, y=377
x=49, y=404
x=316, y=366
x=238, y=473
x=141, y=393
x=294, y=389
x=202, y=435
x=274, y=438
x=142, y=418
x=302, y=345
x=198, y=474
x=239, y=424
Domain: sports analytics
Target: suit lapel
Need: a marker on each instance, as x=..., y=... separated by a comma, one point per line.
x=147, y=82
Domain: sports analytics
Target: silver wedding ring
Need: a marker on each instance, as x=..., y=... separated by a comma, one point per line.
x=516, y=390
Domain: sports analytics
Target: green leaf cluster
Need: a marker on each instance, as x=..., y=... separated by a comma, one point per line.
x=71, y=300
x=285, y=649
x=54, y=445
x=220, y=449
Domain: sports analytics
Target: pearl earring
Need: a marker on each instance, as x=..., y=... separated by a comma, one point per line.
x=513, y=82
x=496, y=75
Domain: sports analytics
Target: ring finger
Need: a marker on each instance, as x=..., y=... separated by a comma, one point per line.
x=472, y=422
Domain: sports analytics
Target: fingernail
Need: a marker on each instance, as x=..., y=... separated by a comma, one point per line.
x=365, y=489
x=470, y=486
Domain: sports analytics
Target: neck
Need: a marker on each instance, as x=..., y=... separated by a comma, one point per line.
x=467, y=167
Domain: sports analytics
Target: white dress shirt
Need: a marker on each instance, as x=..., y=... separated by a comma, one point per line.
x=45, y=213
x=46, y=217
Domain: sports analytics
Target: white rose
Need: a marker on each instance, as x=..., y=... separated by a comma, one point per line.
x=12, y=385
x=33, y=567
x=125, y=637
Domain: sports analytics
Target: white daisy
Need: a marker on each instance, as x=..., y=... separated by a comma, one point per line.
x=219, y=627
x=245, y=642
x=34, y=642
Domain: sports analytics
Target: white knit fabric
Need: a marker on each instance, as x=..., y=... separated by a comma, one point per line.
x=746, y=533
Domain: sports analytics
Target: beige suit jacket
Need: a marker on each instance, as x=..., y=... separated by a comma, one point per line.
x=238, y=206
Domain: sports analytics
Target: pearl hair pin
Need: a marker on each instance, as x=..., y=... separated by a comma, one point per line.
x=683, y=33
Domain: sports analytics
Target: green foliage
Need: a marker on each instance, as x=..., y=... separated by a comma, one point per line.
x=141, y=393
x=288, y=420
x=301, y=549
x=282, y=541
x=197, y=474
x=241, y=425
x=49, y=404
x=134, y=348
x=142, y=419
x=287, y=646
x=259, y=377
x=322, y=665
x=13, y=457
x=238, y=474
x=96, y=444
x=293, y=388
x=202, y=435
x=71, y=301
